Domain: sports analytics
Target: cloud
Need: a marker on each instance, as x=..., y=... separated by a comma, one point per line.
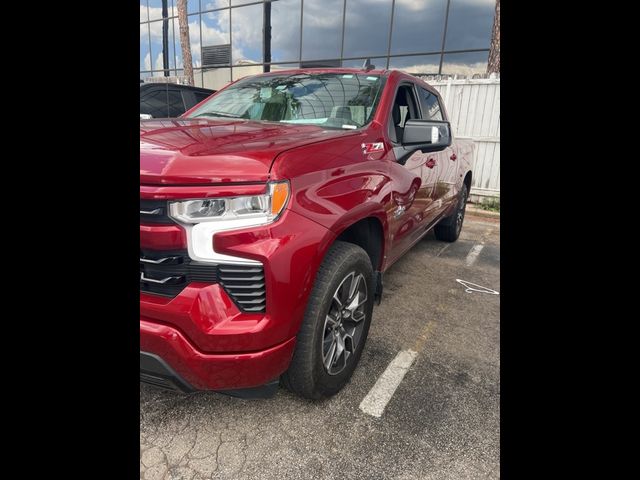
x=158, y=63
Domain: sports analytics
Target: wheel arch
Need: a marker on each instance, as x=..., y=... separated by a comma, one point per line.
x=467, y=181
x=367, y=233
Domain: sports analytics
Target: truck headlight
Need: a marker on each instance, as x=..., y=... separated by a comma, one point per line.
x=262, y=208
x=203, y=218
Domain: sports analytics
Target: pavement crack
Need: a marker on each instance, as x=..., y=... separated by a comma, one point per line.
x=218, y=451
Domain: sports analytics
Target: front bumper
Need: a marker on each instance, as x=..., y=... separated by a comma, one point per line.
x=204, y=337
x=155, y=371
x=167, y=359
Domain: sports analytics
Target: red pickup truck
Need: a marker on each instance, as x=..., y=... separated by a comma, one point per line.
x=268, y=216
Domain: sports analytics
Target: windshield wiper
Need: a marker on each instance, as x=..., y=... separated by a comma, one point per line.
x=217, y=114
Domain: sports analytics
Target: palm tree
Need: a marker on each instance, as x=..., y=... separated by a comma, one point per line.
x=184, y=41
x=493, y=66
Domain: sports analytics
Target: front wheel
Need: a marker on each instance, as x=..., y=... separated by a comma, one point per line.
x=449, y=228
x=335, y=326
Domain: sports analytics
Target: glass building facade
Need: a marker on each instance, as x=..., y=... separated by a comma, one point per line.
x=446, y=37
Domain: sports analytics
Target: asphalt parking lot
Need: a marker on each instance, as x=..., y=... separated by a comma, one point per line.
x=442, y=422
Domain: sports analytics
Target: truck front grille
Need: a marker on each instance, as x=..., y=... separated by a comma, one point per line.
x=245, y=284
x=154, y=211
x=168, y=273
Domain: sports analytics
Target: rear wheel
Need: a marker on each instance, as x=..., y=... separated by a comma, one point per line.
x=335, y=326
x=449, y=228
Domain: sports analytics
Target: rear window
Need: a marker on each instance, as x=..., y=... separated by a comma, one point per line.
x=162, y=103
x=201, y=96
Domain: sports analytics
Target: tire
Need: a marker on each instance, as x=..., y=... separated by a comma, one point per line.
x=449, y=228
x=324, y=324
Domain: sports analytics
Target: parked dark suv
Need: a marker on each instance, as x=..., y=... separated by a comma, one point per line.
x=162, y=100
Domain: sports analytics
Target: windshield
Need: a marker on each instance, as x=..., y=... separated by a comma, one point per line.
x=332, y=100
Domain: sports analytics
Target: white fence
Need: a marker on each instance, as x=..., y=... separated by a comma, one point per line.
x=474, y=111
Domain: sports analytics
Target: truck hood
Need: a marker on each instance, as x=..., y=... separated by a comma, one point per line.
x=208, y=151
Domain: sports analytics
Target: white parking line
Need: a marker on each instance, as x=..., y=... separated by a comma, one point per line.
x=378, y=397
x=473, y=254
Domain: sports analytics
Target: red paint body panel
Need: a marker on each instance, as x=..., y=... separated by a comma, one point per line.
x=162, y=237
x=176, y=193
x=210, y=371
x=210, y=319
x=206, y=151
x=201, y=332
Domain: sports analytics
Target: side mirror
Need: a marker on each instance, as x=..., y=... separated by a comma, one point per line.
x=426, y=135
x=145, y=116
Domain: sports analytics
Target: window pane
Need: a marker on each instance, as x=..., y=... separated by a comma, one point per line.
x=143, y=11
x=285, y=30
x=155, y=9
x=175, y=103
x=246, y=31
x=156, y=45
x=418, y=26
x=242, y=2
x=465, y=64
x=216, y=78
x=211, y=4
x=358, y=63
x=177, y=48
x=470, y=24
x=215, y=28
x=174, y=37
x=145, y=56
x=322, y=29
x=193, y=6
x=285, y=66
x=430, y=105
x=194, y=39
x=366, y=28
x=201, y=96
x=241, y=72
x=154, y=104
x=423, y=64
x=197, y=78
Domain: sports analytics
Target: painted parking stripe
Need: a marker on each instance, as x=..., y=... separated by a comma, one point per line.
x=473, y=254
x=380, y=395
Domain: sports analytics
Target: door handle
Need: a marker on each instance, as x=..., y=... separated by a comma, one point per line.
x=454, y=157
x=431, y=163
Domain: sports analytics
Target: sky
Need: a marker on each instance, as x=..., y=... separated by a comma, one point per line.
x=418, y=27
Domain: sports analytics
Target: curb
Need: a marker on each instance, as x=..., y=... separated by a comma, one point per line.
x=478, y=212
